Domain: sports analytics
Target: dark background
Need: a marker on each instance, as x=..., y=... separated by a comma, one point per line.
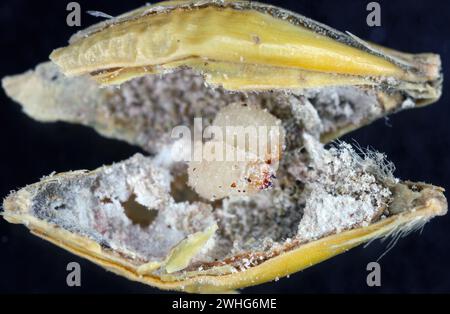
x=417, y=141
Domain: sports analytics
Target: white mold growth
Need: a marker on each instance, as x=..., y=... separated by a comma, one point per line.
x=343, y=190
x=96, y=204
x=322, y=192
x=342, y=106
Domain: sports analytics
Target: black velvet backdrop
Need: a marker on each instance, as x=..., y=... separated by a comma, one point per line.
x=417, y=141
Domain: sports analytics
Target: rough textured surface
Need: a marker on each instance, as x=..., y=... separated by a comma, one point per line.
x=95, y=204
x=320, y=192
x=339, y=106
x=144, y=111
x=256, y=223
x=343, y=190
x=128, y=206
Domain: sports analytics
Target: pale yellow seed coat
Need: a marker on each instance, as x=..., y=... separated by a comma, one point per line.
x=220, y=34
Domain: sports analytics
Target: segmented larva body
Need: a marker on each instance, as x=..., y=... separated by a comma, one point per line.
x=242, y=158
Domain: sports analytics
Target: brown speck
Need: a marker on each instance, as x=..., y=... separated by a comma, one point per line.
x=256, y=39
x=269, y=161
x=106, y=200
x=233, y=185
